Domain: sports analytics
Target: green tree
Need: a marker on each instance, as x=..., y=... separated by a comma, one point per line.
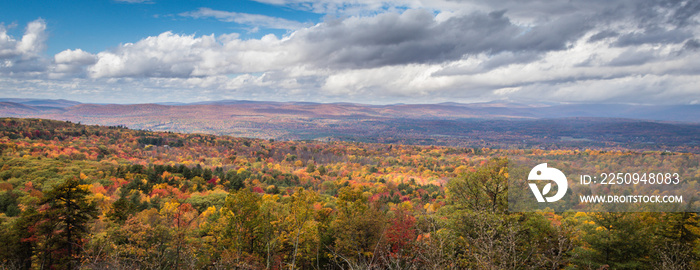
x=17, y=241
x=619, y=240
x=125, y=206
x=485, y=189
x=359, y=228
x=244, y=230
x=65, y=215
x=678, y=235
x=311, y=167
x=491, y=237
x=322, y=170
x=303, y=231
x=143, y=241
x=273, y=212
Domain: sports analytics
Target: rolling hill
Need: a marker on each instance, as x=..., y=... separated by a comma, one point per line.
x=493, y=124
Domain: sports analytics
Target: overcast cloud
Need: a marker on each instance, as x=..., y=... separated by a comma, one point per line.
x=387, y=52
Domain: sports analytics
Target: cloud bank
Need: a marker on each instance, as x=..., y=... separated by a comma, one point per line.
x=386, y=52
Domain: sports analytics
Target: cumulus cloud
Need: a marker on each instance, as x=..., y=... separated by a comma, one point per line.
x=165, y=55
x=401, y=51
x=76, y=56
x=22, y=57
x=71, y=62
x=173, y=55
x=244, y=18
x=34, y=39
x=412, y=37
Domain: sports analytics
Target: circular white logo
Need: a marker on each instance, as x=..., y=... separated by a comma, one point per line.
x=541, y=172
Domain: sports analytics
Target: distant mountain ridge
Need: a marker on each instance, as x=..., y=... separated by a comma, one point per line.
x=500, y=124
x=56, y=103
x=447, y=110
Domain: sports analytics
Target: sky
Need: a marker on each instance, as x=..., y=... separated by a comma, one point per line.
x=362, y=51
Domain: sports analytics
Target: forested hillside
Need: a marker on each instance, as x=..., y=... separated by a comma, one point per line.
x=92, y=197
x=492, y=125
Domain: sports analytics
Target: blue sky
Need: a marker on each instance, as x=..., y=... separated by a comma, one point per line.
x=95, y=26
x=366, y=51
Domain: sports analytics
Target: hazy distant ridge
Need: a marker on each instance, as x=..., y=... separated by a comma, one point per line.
x=60, y=108
x=494, y=124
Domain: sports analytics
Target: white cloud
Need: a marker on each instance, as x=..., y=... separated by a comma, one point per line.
x=172, y=55
x=32, y=43
x=358, y=7
x=34, y=39
x=244, y=18
x=474, y=52
x=165, y=55
x=8, y=45
x=76, y=56
x=71, y=63
x=23, y=57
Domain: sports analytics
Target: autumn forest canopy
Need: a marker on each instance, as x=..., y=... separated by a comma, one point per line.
x=350, y=134
x=78, y=196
